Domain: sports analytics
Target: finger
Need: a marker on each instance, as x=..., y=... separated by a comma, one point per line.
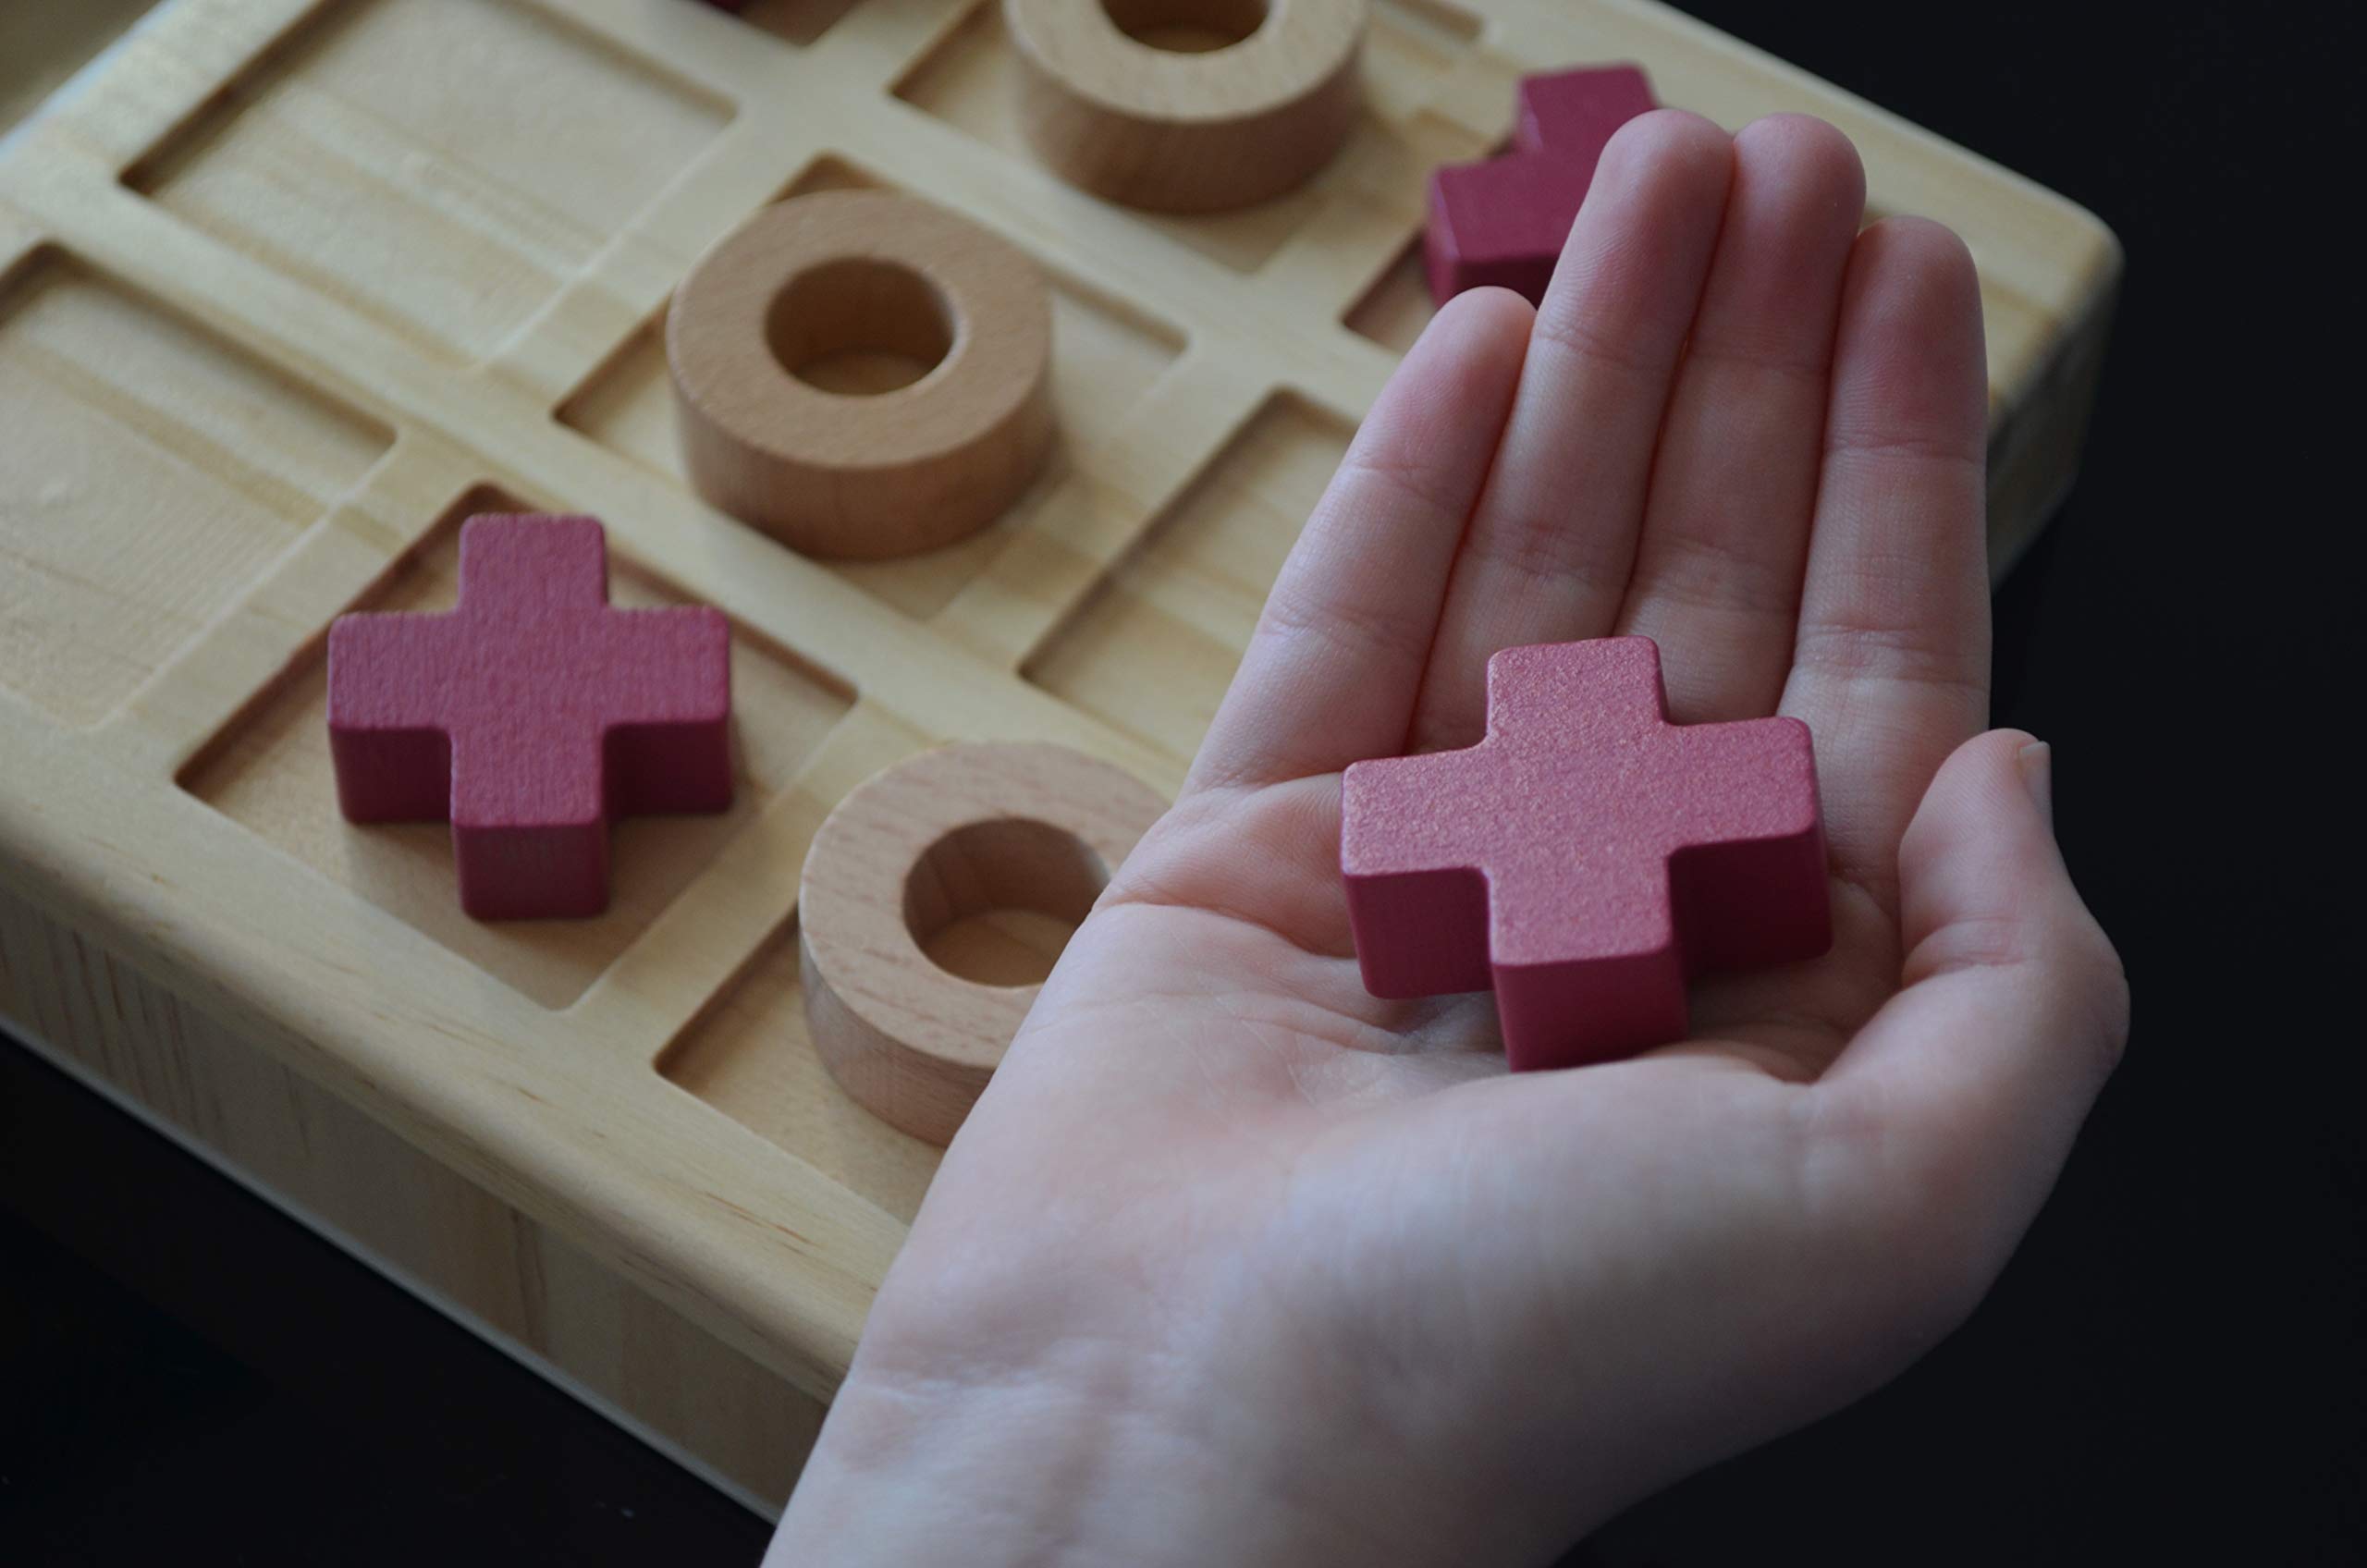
x=1726, y=534
x=1953, y=1108
x=1890, y=666
x=1550, y=549
x=1330, y=674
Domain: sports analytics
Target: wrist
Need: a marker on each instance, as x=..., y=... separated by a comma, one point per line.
x=1100, y=1465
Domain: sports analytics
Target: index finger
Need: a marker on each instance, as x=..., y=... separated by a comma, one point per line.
x=1330, y=675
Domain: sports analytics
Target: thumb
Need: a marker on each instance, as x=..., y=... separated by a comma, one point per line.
x=2012, y=1012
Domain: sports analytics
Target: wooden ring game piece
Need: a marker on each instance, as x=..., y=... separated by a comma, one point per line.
x=1188, y=132
x=769, y=339
x=934, y=840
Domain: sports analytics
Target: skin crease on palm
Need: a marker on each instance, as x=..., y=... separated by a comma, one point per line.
x=1235, y=1263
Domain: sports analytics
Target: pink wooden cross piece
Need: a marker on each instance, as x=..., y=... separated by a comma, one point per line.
x=529, y=716
x=1586, y=857
x=1504, y=221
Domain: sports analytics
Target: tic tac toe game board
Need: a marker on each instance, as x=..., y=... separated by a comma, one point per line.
x=290, y=289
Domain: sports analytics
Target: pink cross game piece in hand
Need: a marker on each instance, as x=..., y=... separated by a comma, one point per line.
x=529, y=716
x=1586, y=857
x=1504, y=221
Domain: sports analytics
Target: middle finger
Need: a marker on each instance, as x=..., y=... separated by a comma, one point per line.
x=1725, y=538
x=1547, y=556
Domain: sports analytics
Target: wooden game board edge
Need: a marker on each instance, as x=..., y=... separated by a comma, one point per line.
x=2050, y=268
x=2009, y=220
x=2034, y=456
x=418, y=1288
x=783, y=1270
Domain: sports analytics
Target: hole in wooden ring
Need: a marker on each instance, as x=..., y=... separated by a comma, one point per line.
x=1188, y=27
x=996, y=901
x=860, y=326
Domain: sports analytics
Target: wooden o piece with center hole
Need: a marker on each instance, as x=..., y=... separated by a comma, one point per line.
x=776, y=341
x=1187, y=131
x=945, y=845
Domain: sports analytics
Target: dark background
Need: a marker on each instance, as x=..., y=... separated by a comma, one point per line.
x=2173, y=1363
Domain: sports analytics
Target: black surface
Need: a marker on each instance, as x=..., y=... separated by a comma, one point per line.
x=2173, y=1363
x=189, y=1375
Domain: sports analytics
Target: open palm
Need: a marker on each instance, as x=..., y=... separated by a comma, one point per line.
x=1256, y=1267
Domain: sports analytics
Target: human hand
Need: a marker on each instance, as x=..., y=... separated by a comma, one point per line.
x=1233, y=1263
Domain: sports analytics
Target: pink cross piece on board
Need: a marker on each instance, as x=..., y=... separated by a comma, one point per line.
x=1504, y=221
x=529, y=716
x=1586, y=857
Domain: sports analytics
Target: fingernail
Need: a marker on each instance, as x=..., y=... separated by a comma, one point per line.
x=2037, y=763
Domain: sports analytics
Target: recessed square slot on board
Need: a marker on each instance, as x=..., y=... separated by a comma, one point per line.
x=1396, y=309
x=442, y=167
x=1105, y=356
x=800, y=21
x=45, y=42
x=1152, y=651
x=151, y=473
x=270, y=770
x=971, y=79
x=749, y=1055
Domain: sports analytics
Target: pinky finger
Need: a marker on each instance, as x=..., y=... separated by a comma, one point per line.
x=1951, y=1111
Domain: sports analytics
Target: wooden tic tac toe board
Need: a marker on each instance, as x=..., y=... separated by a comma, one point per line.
x=288, y=288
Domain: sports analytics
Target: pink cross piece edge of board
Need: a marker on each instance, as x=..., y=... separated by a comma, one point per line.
x=1502, y=221
x=1587, y=857
x=530, y=714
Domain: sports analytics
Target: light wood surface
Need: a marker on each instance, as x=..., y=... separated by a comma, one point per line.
x=861, y=374
x=932, y=905
x=288, y=287
x=1187, y=105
